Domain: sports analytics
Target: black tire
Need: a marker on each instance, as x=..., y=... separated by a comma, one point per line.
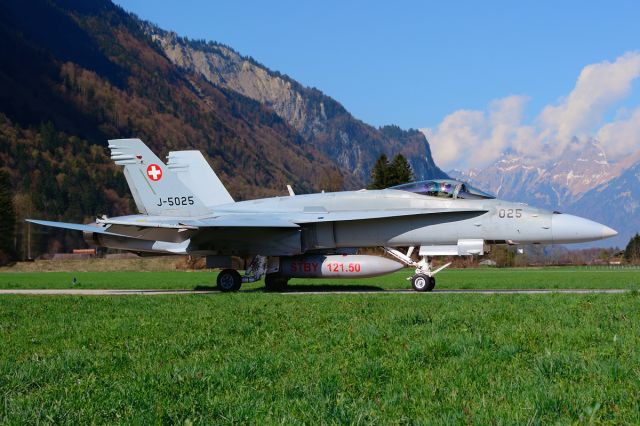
x=432, y=284
x=229, y=280
x=275, y=282
x=423, y=282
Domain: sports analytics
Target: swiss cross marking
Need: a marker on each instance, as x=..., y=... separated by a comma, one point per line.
x=154, y=172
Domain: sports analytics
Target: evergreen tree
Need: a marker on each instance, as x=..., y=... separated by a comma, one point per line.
x=385, y=174
x=632, y=252
x=380, y=173
x=7, y=219
x=399, y=171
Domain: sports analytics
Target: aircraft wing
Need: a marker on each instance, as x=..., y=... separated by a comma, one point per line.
x=177, y=230
x=241, y=220
x=244, y=220
x=236, y=220
x=164, y=229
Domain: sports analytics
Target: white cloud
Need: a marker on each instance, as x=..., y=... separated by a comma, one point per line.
x=472, y=139
x=621, y=137
x=476, y=137
x=458, y=133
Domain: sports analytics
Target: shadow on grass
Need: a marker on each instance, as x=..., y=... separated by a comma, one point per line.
x=306, y=288
x=205, y=288
x=301, y=288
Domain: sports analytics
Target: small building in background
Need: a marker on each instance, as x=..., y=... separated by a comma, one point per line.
x=89, y=253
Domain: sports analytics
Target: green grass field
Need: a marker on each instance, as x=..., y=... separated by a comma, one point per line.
x=269, y=358
x=449, y=279
x=255, y=357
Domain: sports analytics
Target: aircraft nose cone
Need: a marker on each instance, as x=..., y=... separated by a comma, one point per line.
x=608, y=232
x=566, y=228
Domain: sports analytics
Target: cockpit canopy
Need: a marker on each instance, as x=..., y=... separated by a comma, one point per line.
x=444, y=188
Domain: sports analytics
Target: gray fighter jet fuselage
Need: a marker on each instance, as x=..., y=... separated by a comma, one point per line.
x=186, y=210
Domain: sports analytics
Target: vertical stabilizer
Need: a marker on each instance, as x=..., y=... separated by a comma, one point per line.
x=193, y=170
x=155, y=189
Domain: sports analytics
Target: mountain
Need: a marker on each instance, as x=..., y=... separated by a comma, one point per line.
x=581, y=181
x=514, y=178
x=321, y=120
x=547, y=184
x=87, y=68
x=75, y=73
x=616, y=203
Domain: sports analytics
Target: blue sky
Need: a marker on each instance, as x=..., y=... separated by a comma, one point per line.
x=413, y=63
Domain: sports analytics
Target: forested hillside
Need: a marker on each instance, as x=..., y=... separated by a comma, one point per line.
x=76, y=73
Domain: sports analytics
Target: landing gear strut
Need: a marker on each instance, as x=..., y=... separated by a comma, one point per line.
x=424, y=278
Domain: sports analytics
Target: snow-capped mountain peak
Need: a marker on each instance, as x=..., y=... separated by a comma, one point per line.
x=582, y=180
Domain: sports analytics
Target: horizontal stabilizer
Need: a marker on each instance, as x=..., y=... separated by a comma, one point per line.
x=74, y=226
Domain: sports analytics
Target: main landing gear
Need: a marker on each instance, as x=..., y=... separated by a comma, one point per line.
x=424, y=278
x=231, y=280
x=275, y=282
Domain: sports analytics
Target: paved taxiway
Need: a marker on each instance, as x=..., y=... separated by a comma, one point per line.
x=133, y=292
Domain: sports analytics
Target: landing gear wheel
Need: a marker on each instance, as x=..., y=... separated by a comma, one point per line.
x=423, y=282
x=229, y=280
x=275, y=282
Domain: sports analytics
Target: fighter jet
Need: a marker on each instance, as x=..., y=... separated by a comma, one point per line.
x=185, y=209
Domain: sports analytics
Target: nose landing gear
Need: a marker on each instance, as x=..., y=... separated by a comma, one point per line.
x=424, y=277
x=422, y=282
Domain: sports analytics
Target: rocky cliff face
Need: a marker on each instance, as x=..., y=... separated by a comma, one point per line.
x=225, y=67
x=321, y=120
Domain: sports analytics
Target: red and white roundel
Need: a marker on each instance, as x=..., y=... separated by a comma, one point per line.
x=154, y=172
